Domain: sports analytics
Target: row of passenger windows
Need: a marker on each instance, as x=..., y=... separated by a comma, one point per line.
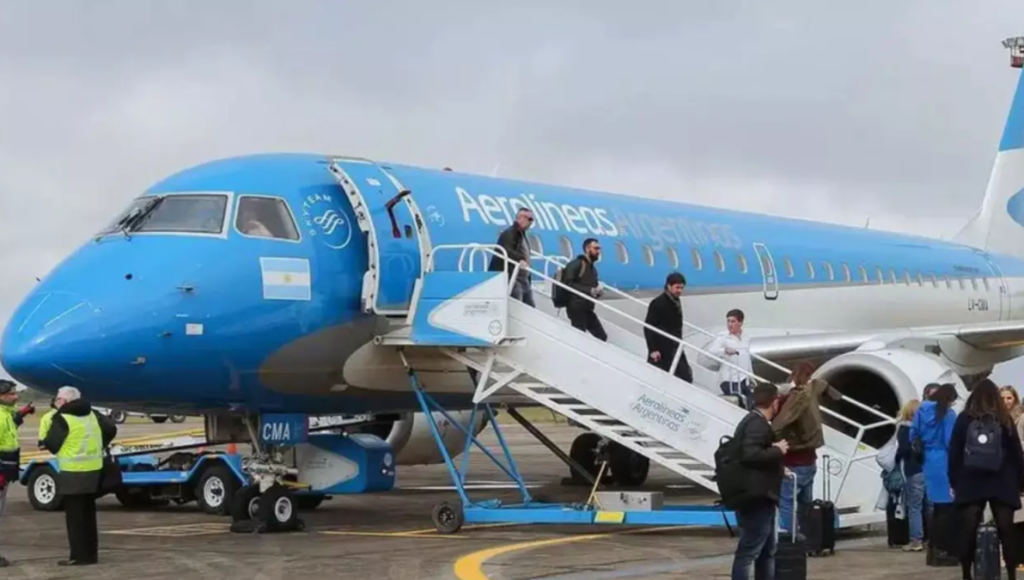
x=256, y=216
x=844, y=273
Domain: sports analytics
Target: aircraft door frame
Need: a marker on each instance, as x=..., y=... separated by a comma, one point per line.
x=769, y=272
x=375, y=196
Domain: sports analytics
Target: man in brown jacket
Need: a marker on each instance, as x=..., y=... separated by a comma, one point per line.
x=799, y=423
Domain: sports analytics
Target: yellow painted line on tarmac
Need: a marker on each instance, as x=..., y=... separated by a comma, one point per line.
x=470, y=566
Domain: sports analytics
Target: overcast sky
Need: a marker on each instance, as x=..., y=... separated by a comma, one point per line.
x=822, y=110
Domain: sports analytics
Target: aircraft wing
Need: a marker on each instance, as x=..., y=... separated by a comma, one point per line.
x=983, y=336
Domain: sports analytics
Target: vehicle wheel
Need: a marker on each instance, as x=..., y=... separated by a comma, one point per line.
x=584, y=452
x=629, y=468
x=278, y=509
x=159, y=419
x=448, y=519
x=309, y=503
x=42, y=489
x=245, y=505
x=216, y=490
x=178, y=418
x=118, y=416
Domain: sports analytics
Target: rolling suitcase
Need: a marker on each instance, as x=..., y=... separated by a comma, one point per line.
x=791, y=551
x=986, y=554
x=897, y=525
x=819, y=520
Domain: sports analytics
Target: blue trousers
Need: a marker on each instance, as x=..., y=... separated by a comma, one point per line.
x=757, y=543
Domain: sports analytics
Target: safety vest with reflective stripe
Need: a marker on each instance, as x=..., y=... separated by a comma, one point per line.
x=8, y=429
x=44, y=423
x=83, y=447
x=10, y=455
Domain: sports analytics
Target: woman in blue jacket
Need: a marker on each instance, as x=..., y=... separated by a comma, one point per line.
x=931, y=432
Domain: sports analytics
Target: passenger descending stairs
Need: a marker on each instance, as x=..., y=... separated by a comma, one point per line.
x=611, y=391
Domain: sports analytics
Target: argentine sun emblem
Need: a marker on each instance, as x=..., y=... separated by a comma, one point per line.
x=325, y=220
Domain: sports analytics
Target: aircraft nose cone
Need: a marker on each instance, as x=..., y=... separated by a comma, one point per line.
x=49, y=337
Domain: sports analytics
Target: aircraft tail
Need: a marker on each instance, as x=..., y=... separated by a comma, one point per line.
x=998, y=226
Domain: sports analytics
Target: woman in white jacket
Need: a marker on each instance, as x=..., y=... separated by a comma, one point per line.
x=732, y=346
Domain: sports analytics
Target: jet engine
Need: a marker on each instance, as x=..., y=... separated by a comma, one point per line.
x=884, y=380
x=413, y=443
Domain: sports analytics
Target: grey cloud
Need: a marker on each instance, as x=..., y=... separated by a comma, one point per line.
x=809, y=109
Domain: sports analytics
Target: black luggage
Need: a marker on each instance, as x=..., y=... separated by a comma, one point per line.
x=897, y=528
x=791, y=551
x=818, y=520
x=986, y=554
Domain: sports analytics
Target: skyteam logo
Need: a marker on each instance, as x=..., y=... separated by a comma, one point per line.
x=324, y=220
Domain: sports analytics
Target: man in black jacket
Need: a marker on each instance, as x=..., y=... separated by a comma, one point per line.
x=666, y=314
x=516, y=243
x=763, y=459
x=79, y=488
x=581, y=275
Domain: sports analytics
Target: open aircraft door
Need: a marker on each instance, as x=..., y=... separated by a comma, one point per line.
x=397, y=239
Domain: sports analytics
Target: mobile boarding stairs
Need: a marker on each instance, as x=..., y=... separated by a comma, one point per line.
x=608, y=387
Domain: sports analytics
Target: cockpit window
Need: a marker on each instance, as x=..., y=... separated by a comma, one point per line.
x=265, y=217
x=177, y=213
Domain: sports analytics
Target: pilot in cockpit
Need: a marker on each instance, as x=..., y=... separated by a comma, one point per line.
x=251, y=225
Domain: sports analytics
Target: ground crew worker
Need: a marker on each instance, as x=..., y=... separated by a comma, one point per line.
x=44, y=422
x=77, y=436
x=10, y=452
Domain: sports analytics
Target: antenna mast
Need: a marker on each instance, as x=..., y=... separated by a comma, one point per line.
x=1016, y=48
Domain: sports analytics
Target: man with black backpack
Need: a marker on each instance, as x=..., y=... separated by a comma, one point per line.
x=749, y=471
x=581, y=275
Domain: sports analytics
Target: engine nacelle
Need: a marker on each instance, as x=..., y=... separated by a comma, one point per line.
x=413, y=443
x=883, y=379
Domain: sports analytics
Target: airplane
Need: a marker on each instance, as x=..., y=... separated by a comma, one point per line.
x=256, y=284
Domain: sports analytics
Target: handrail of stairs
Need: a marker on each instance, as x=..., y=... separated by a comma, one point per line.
x=474, y=248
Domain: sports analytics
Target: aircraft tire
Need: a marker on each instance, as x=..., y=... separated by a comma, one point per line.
x=629, y=468
x=118, y=416
x=159, y=419
x=245, y=505
x=584, y=452
x=178, y=418
x=278, y=510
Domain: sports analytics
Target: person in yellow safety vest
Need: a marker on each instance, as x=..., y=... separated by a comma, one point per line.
x=10, y=450
x=45, y=420
x=78, y=436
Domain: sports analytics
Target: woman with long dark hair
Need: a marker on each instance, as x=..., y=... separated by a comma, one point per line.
x=983, y=471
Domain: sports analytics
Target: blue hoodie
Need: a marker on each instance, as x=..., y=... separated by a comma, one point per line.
x=935, y=436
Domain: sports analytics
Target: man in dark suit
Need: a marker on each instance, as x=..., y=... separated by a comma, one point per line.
x=666, y=314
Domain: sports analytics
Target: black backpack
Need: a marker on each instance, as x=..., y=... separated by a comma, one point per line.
x=559, y=295
x=730, y=474
x=983, y=450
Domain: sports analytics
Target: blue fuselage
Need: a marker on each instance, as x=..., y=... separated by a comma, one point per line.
x=188, y=312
